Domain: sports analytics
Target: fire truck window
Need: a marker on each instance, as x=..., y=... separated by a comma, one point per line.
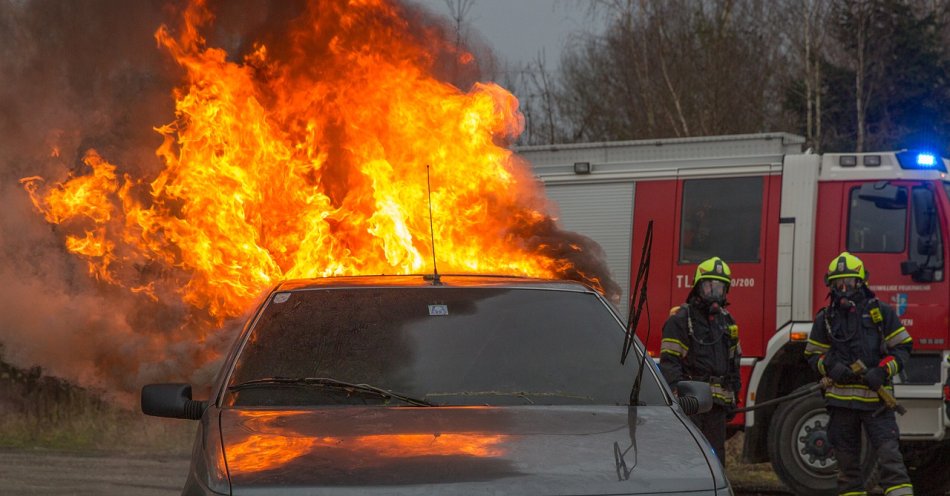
x=926, y=247
x=721, y=217
x=877, y=226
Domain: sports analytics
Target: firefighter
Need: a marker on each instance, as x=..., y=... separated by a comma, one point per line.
x=701, y=343
x=856, y=326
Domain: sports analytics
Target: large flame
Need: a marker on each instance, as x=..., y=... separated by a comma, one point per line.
x=317, y=155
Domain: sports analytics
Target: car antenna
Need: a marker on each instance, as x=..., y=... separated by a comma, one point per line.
x=638, y=299
x=435, y=270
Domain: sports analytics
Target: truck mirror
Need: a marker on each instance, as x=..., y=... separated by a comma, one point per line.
x=924, y=212
x=917, y=272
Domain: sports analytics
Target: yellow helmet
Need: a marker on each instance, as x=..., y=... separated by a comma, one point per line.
x=713, y=268
x=845, y=265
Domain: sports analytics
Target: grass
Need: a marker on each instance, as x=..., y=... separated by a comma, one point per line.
x=38, y=412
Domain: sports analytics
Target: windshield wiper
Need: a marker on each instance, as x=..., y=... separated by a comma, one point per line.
x=326, y=382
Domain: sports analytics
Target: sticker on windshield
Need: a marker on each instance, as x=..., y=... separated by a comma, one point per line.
x=281, y=297
x=438, y=309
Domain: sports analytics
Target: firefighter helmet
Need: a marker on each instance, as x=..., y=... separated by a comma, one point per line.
x=713, y=268
x=845, y=265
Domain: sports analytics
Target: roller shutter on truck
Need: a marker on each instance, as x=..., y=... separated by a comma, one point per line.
x=604, y=213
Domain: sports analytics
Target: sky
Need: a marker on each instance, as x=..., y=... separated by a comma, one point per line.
x=518, y=30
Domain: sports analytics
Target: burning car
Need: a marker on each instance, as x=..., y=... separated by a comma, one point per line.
x=451, y=385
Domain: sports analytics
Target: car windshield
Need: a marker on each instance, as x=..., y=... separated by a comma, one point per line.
x=438, y=345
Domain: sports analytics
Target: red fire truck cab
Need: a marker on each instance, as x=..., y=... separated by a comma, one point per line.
x=777, y=216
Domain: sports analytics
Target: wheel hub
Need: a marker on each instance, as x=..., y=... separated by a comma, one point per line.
x=814, y=449
x=816, y=443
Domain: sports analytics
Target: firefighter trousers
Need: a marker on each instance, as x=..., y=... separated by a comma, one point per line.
x=844, y=433
x=713, y=426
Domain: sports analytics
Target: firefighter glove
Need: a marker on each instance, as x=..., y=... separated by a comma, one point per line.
x=875, y=378
x=840, y=374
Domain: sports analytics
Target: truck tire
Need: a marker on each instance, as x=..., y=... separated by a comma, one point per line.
x=799, y=449
x=928, y=469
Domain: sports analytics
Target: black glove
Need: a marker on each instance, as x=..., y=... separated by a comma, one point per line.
x=875, y=378
x=841, y=374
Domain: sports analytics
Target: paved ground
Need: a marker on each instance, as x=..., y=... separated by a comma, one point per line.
x=47, y=473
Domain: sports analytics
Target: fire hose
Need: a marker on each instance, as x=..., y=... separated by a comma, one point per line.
x=814, y=388
x=824, y=383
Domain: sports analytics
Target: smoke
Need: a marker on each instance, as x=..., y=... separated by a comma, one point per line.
x=76, y=76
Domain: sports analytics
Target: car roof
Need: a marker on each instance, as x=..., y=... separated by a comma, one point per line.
x=423, y=280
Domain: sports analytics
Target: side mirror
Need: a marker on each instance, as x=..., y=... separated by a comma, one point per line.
x=925, y=212
x=694, y=397
x=917, y=272
x=172, y=401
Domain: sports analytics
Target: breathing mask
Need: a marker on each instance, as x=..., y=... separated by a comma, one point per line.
x=846, y=290
x=712, y=294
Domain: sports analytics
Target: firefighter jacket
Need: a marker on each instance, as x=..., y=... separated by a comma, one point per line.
x=697, y=346
x=870, y=331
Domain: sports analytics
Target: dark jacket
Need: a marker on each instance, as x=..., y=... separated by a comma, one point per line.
x=701, y=347
x=869, y=331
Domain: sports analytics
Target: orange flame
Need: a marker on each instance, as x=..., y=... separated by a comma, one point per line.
x=313, y=158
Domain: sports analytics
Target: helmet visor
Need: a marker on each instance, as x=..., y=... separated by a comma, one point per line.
x=845, y=284
x=711, y=289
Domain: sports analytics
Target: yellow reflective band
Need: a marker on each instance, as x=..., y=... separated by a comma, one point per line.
x=677, y=341
x=875, y=399
x=897, y=338
x=854, y=493
x=819, y=344
x=898, y=331
x=907, y=489
x=892, y=368
x=674, y=346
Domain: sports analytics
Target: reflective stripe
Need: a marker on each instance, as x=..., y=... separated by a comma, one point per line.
x=854, y=493
x=815, y=347
x=892, y=368
x=821, y=366
x=723, y=394
x=674, y=347
x=900, y=490
x=897, y=337
x=852, y=392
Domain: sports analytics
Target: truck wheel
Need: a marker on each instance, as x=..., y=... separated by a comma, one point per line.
x=928, y=469
x=799, y=449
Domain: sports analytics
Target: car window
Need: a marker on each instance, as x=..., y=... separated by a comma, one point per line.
x=450, y=346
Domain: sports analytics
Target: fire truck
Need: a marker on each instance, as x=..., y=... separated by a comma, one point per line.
x=778, y=214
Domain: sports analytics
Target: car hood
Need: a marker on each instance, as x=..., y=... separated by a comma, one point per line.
x=463, y=450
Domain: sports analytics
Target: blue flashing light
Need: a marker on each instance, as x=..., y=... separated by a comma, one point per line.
x=920, y=160
x=926, y=159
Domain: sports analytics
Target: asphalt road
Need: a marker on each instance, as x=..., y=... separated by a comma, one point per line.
x=101, y=474
x=46, y=473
